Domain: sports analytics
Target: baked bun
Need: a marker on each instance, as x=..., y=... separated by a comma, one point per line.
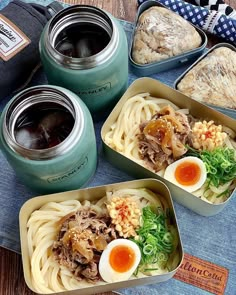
x=161, y=34
x=213, y=79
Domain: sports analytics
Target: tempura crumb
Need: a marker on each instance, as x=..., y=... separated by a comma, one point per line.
x=125, y=214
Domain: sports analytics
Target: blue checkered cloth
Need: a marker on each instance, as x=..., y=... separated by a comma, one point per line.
x=212, y=21
x=218, y=5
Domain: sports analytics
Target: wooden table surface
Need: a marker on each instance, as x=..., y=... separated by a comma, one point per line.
x=11, y=278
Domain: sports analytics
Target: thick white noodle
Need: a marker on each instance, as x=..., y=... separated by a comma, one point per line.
x=122, y=136
x=46, y=273
x=42, y=231
x=138, y=109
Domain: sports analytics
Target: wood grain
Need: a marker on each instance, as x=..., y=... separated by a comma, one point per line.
x=122, y=9
x=11, y=279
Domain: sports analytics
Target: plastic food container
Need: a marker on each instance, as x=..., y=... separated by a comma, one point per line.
x=198, y=110
x=170, y=63
x=231, y=111
x=94, y=194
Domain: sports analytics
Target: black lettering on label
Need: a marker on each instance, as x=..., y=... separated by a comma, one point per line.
x=12, y=39
x=70, y=173
x=7, y=33
x=95, y=91
x=3, y=42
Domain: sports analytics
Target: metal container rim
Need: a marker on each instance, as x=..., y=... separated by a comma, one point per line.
x=222, y=44
x=31, y=97
x=77, y=14
x=146, y=5
x=148, y=82
x=95, y=193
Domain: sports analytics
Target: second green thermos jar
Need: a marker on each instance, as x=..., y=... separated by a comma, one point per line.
x=47, y=136
x=85, y=49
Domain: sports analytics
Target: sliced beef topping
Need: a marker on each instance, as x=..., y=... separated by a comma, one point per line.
x=162, y=140
x=82, y=237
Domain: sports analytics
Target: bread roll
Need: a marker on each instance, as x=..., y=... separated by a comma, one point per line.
x=161, y=34
x=213, y=79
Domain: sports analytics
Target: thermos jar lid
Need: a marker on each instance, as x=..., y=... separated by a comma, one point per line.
x=43, y=122
x=98, y=37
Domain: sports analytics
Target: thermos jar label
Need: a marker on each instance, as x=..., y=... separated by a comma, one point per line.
x=70, y=173
x=12, y=39
x=95, y=91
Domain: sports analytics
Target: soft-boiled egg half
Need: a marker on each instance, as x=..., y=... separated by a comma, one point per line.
x=119, y=260
x=188, y=173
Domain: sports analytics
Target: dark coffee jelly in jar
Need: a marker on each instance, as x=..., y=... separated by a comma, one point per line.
x=43, y=126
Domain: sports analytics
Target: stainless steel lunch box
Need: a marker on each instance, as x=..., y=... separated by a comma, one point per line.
x=93, y=194
x=167, y=64
x=160, y=90
x=227, y=111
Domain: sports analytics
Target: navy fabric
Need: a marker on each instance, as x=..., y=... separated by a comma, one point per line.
x=210, y=238
x=18, y=70
x=211, y=21
x=15, y=72
x=218, y=5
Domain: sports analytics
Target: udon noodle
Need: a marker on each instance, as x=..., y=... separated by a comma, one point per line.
x=47, y=274
x=123, y=137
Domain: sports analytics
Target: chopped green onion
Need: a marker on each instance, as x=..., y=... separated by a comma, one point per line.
x=148, y=249
x=156, y=240
x=150, y=269
x=220, y=164
x=226, y=192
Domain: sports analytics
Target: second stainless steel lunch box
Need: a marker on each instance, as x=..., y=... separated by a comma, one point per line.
x=169, y=63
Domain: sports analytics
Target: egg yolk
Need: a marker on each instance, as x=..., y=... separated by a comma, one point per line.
x=122, y=258
x=187, y=173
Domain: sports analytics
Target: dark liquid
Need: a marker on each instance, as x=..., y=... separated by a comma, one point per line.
x=82, y=40
x=43, y=127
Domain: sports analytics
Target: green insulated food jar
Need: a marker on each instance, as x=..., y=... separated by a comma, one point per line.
x=47, y=136
x=84, y=49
